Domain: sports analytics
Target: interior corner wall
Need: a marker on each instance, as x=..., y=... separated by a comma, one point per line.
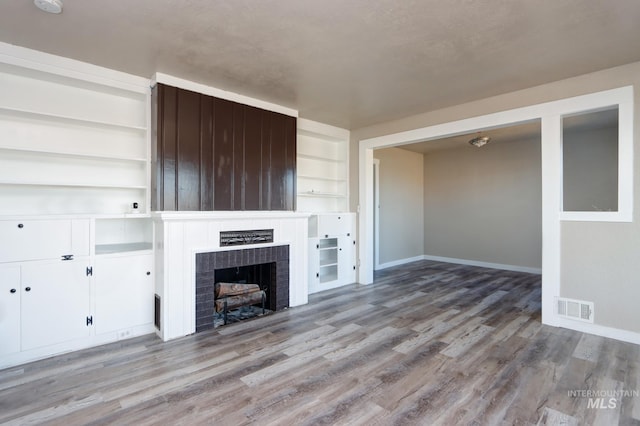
x=401, y=204
x=485, y=204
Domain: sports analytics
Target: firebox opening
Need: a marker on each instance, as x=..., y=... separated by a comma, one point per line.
x=262, y=274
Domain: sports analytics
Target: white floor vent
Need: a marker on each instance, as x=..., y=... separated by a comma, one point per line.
x=575, y=309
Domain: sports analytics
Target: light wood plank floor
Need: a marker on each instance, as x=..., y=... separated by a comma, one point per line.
x=428, y=343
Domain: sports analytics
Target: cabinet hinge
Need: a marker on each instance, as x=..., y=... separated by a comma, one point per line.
x=67, y=257
x=89, y=271
x=89, y=320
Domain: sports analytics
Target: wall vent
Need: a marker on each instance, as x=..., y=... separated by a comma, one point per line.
x=575, y=309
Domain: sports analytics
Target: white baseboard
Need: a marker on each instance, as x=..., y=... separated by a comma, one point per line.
x=598, y=330
x=398, y=262
x=460, y=262
x=514, y=268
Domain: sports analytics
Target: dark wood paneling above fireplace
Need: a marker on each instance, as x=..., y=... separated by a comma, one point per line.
x=214, y=154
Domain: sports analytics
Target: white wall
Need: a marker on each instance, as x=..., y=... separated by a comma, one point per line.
x=401, y=204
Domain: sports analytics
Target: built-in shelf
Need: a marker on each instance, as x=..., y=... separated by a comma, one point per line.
x=323, y=167
x=122, y=248
x=70, y=185
x=320, y=194
x=318, y=158
x=325, y=178
x=78, y=120
x=72, y=143
x=66, y=154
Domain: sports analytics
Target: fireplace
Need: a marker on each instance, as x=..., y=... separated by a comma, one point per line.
x=197, y=243
x=266, y=266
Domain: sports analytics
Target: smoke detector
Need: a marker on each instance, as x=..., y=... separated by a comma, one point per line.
x=51, y=6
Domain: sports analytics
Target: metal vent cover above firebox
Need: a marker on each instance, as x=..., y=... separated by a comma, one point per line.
x=240, y=238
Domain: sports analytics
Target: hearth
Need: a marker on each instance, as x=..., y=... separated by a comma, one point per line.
x=265, y=266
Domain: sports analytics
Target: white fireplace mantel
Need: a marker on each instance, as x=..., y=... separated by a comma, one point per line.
x=180, y=235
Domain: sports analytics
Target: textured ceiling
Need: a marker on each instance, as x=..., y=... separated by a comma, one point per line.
x=348, y=63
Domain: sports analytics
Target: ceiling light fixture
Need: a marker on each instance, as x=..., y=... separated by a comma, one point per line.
x=51, y=6
x=479, y=141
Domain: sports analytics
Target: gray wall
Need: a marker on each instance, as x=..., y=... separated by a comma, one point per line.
x=485, y=204
x=600, y=262
x=401, y=204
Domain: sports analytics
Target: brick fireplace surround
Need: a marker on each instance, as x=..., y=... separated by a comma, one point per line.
x=207, y=263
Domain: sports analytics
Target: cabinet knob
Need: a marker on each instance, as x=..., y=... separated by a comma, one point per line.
x=20, y=225
x=27, y=289
x=13, y=290
x=148, y=273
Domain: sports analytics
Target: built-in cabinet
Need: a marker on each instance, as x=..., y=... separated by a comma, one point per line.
x=78, y=283
x=55, y=303
x=216, y=154
x=332, y=253
x=124, y=292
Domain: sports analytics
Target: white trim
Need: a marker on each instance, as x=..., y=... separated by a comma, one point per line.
x=228, y=215
x=551, y=154
x=58, y=65
x=219, y=93
x=599, y=330
x=376, y=218
x=457, y=261
x=399, y=262
x=482, y=264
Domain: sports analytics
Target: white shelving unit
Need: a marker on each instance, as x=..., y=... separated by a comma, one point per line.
x=76, y=259
x=322, y=168
x=71, y=145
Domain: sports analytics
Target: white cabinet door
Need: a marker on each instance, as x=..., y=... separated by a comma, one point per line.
x=346, y=260
x=314, y=266
x=55, y=303
x=124, y=292
x=34, y=239
x=9, y=309
x=333, y=224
